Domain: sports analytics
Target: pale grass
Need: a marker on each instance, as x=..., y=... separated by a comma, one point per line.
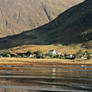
x=30, y=60
x=45, y=48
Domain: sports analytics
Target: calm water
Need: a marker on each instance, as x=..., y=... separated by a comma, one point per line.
x=46, y=78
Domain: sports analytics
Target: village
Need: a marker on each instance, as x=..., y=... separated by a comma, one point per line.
x=50, y=54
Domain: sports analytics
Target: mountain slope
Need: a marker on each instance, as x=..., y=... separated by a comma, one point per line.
x=17, y=16
x=73, y=26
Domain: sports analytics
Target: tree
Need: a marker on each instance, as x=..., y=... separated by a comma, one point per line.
x=79, y=54
x=39, y=54
x=28, y=53
x=6, y=53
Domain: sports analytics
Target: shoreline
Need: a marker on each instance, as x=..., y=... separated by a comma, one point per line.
x=24, y=61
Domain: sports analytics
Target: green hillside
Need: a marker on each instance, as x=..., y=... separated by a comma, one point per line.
x=73, y=26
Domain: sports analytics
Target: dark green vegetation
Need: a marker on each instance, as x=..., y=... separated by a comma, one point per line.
x=73, y=26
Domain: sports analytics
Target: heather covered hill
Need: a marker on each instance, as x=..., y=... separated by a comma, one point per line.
x=74, y=26
x=17, y=16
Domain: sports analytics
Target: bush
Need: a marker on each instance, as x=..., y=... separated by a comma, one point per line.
x=39, y=54
x=6, y=53
x=54, y=56
x=88, y=57
x=28, y=53
x=51, y=56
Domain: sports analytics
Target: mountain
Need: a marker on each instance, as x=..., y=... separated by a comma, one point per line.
x=74, y=26
x=17, y=16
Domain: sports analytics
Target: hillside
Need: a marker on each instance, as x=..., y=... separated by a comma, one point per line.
x=74, y=26
x=17, y=16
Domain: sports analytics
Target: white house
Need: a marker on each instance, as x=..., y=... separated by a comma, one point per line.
x=71, y=55
x=52, y=52
x=58, y=53
x=31, y=56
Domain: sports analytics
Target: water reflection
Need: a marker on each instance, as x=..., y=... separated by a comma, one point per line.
x=46, y=78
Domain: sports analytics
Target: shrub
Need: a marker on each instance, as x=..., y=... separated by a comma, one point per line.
x=88, y=57
x=39, y=54
x=28, y=53
x=51, y=56
x=56, y=56
x=6, y=53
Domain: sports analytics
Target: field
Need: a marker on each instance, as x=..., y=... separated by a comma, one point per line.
x=24, y=61
x=70, y=49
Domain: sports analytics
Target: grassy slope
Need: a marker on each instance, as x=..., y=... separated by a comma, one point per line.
x=17, y=16
x=55, y=7
x=73, y=26
x=45, y=48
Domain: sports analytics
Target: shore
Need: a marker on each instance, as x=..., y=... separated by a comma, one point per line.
x=24, y=61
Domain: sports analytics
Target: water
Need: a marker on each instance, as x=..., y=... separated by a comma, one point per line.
x=46, y=77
